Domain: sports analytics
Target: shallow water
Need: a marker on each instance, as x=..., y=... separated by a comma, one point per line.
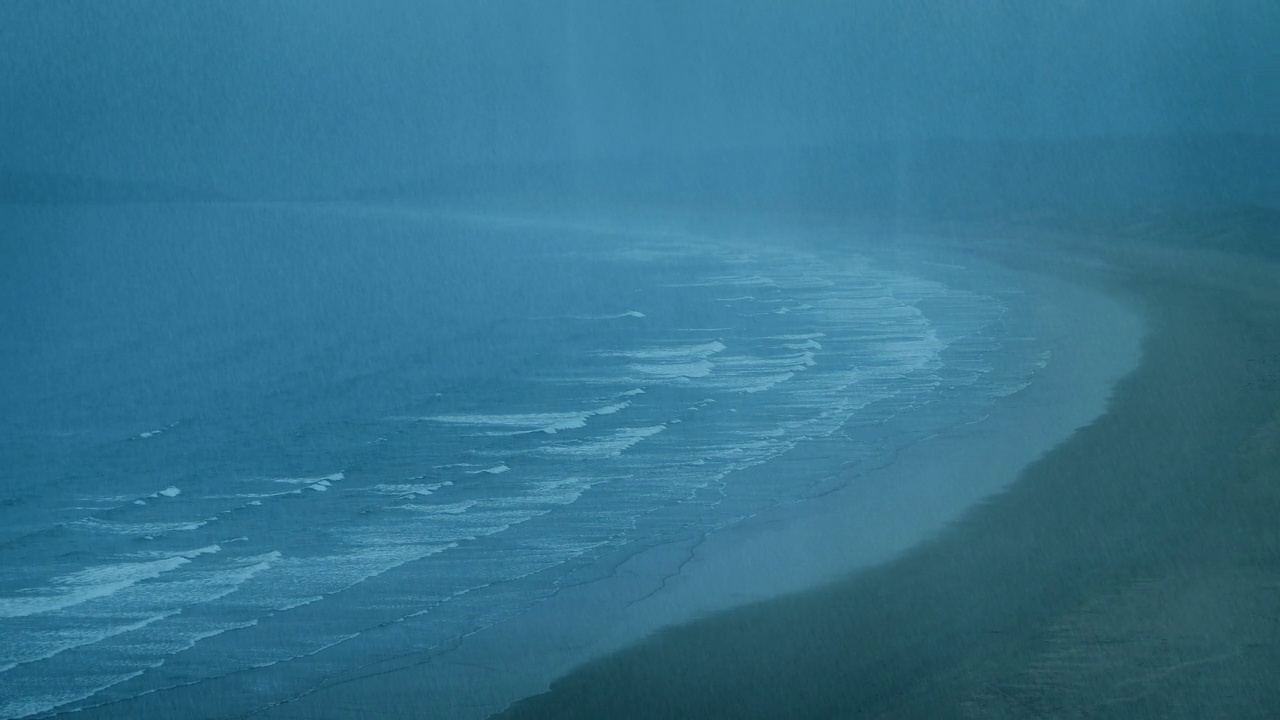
x=266, y=440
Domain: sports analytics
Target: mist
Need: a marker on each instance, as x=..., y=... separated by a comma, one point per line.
x=472, y=359
x=253, y=100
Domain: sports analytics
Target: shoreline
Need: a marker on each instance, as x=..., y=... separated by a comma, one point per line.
x=802, y=545
x=1132, y=571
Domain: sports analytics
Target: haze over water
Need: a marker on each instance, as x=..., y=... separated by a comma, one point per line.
x=312, y=360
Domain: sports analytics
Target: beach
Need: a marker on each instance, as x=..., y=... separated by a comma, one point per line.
x=774, y=594
x=609, y=460
x=1101, y=544
x=1132, y=571
x=465, y=361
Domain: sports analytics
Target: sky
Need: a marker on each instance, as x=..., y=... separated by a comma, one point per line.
x=213, y=92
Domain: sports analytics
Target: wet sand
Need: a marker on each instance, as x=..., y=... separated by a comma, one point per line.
x=1131, y=572
x=873, y=515
x=1107, y=547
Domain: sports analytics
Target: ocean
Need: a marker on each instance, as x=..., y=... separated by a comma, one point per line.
x=278, y=443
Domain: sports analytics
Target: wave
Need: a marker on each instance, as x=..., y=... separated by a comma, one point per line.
x=495, y=470
x=409, y=489
x=59, y=641
x=95, y=582
x=874, y=341
x=87, y=685
x=32, y=704
x=315, y=484
x=140, y=529
x=562, y=492
x=738, y=280
x=749, y=363
x=169, y=492
x=687, y=352
x=676, y=371
x=450, y=509
x=803, y=336
x=751, y=383
x=256, y=496
x=370, y=552
x=524, y=423
x=326, y=479
x=618, y=316
x=609, y=446
x=785, y=309
x=157, y=432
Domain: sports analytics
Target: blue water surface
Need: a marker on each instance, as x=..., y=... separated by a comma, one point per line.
x=251, y=439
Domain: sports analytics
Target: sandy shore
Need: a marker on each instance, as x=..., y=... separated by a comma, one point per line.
x=1103, y=544
x=1131, y=572
x=878, y=514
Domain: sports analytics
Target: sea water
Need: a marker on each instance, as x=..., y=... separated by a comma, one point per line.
x=276, y=443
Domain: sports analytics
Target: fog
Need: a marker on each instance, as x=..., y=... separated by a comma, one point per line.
x=639, y=358
x=292, y=100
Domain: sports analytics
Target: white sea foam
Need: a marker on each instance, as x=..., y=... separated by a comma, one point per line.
x=495, y=470
x=145, y=528
x=56, y=642
x=877, y=341
x=326, y=480
x=369, y=553
x=740, y=280
x=679, y=352
x=256, y=496
x=756, y=385
x=563, y=492
x=168, y=492
x=792, y=308
x=94, y=582
x=618, y=316
x=676, y=371
x=404, y=489
x=1013, y=389
x=109, y=498
x=609, y=446
x=449, y=509
x=50, y=696
x=522, y=423
x=153, y=433
x=26, y=705
x=805, y=336
x=298, y=602
x=215, y=584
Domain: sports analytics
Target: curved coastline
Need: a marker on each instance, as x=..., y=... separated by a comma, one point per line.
x=874, y=515
x=1130, y=572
